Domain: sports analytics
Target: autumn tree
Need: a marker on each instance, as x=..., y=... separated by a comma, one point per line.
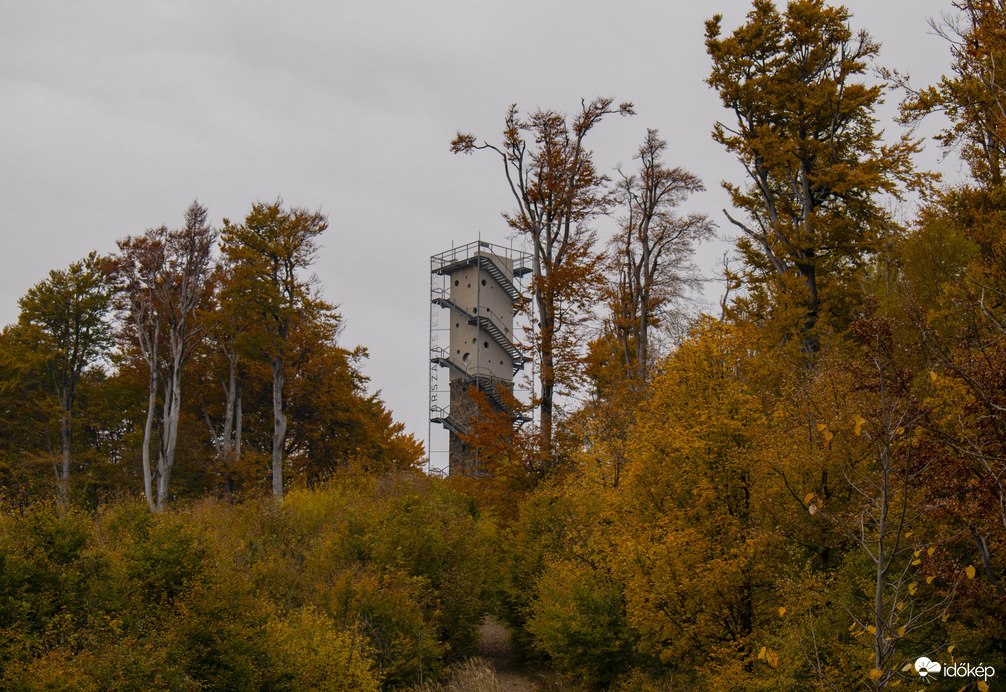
x=271, y=252
x=223, y=371
x=26, y=458
x=804, y=130
x=653, y=251
x=874, y=425
x=695, y=566
x=165, y=278
x=558, y=191
x=64, y=319
x=334, y=424
x=954, y=267
x=973, y=95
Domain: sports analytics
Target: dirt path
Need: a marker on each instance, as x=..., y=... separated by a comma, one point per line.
x=496, y=649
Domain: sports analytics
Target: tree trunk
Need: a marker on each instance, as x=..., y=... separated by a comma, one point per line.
x=811, y=342
x=148, y=430
x=172, y=409
x=227, y=436
x=645, y=283
x=63, y=479
x=279, y=428
x=237, y=425
x=644, y=332
x=546, y=329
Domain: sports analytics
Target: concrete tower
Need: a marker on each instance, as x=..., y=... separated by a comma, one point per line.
x=474, y=288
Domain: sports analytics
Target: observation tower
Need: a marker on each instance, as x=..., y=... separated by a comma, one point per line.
x=474, y=292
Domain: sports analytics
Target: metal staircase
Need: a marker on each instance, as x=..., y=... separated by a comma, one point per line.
x=487, y=322
x=443, y=416
x=485, y=382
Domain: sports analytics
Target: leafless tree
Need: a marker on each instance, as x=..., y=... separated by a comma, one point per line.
x=654, y=249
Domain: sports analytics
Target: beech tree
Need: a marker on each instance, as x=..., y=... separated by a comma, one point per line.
x=558, y=191
x=803, y=129
x=653, y=251
x=165, y=279
x=63, y=318
x=270, y=252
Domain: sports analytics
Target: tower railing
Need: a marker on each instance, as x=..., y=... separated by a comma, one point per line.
x=487, y=257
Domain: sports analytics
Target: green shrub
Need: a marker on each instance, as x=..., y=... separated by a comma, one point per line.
x=578, y=619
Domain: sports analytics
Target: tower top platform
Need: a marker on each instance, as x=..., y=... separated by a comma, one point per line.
x=466, y=255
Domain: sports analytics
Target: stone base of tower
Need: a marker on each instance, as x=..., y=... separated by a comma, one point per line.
x=462, y=458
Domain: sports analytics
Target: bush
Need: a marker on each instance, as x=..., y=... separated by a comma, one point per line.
x=361, y=584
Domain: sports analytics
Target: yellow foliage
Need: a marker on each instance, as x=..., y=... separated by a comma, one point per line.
x=326, y=658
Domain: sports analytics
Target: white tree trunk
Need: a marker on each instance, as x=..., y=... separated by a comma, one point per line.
x=148, y=431
x=279, y=428
x=172, y=409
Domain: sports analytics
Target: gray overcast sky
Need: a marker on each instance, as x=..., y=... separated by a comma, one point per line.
x=116, y=114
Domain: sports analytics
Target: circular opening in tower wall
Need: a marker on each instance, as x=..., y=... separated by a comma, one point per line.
x=483, y=282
